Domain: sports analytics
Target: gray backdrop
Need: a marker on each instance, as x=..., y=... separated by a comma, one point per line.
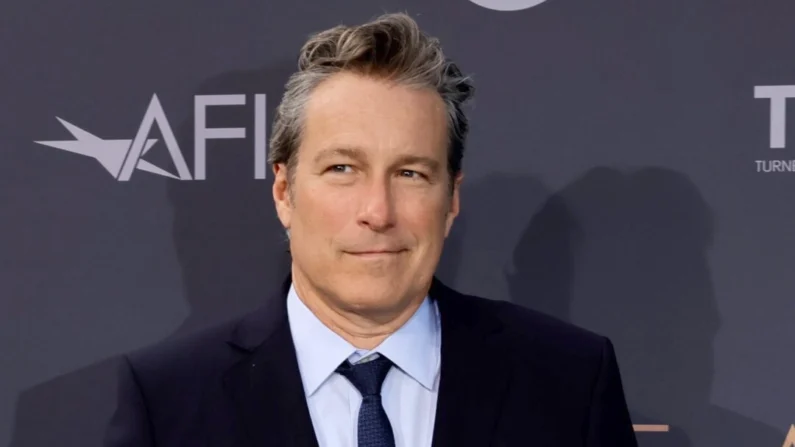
x=619, y=175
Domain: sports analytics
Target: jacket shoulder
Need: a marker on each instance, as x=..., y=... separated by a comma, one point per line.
x=533, y=333
x=184, y=359
x=210, y=349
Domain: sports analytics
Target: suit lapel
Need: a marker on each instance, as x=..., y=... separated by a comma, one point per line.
x=475, y=372
x=266, y=385
x=269, y=396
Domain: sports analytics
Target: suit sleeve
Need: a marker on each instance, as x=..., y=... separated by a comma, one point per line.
x=609, y=423
x=129, y=426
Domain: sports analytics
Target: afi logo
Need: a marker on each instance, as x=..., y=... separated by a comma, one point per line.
x=778, y=95
x=121, y=157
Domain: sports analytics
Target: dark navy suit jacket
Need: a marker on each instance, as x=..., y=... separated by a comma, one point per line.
x=509, y=377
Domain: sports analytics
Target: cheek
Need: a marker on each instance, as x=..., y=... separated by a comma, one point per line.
x=426, y=218
x=325, y=210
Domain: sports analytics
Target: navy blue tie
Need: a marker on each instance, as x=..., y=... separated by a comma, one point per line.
x=374, y=429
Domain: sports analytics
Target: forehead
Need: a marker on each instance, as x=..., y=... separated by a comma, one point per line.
x=352, y=110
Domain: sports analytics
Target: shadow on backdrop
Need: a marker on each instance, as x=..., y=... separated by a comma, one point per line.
x=626, y=254
x=487, y=230
x=230, y=246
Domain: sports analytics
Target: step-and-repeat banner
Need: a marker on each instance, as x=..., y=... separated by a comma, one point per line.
x=630, y=169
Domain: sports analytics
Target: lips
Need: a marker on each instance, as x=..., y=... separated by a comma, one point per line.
x=375, y=252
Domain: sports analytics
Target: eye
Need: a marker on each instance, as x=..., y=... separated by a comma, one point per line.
x=339, y=168
x=411, y=174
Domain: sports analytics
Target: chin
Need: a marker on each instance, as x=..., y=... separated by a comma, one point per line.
x=373, y=285
x=369, y=290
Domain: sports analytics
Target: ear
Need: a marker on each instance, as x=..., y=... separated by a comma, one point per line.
x=281, y=194
x=455, y=204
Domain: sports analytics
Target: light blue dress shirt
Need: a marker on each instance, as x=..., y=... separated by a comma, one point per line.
x=410, y=390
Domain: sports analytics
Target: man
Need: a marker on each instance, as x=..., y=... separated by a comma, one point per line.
x=362, y=346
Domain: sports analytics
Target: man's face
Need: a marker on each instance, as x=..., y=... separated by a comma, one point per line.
x=370, y=204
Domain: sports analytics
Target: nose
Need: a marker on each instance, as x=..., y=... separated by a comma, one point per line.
x=378, y=206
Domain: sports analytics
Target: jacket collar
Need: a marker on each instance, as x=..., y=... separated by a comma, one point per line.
x=475, y=373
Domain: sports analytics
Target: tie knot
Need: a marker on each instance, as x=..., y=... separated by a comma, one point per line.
x=367, y=376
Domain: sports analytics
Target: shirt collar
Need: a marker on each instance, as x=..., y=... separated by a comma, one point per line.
x=414, y=348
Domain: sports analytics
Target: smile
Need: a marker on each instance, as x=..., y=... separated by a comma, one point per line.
x=375, y=253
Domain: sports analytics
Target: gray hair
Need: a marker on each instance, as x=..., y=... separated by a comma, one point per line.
x=391, y=47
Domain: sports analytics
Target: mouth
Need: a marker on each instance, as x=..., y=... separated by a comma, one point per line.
x=375, y=253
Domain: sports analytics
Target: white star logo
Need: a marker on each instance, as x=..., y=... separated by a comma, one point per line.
x=109, y=153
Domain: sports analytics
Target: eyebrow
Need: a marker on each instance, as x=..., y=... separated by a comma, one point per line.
x=358, y=154
x=428, y=162
x=350, y=152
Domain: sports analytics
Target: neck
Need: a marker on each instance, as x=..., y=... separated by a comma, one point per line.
x=362, y=329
